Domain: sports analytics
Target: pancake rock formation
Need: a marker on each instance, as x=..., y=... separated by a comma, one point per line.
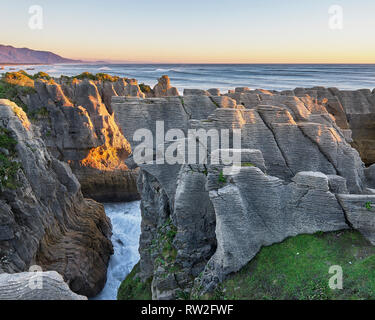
x=352, y=110
x=35, y=286
x=77, y=124
x=44, y=219
x=298, y=174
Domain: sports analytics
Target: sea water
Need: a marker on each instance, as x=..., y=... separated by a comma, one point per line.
x=126, y=228
x=228, y=76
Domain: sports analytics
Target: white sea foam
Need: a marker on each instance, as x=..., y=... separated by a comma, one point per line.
x=126, y=224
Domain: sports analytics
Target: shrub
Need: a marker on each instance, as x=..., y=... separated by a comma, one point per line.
x=14, y=93
x=106, y=77
x=145, y=88
x=85, y=75
x=41, y=75
x=20, y=78
x=97, y=77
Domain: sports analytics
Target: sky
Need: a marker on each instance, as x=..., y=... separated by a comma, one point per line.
x=195, y=31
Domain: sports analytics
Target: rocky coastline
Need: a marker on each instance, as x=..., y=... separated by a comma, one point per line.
x=308, y=166
x=300, y=175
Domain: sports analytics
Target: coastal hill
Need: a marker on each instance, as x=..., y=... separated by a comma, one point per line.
x=9, y=54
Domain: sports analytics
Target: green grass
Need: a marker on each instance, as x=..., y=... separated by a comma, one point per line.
x=247, y=164
x=8, y=167
x=132, y=288
x=222, y=178
x=368, y=205
x=298, y=268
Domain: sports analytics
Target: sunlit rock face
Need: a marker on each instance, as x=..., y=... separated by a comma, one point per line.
x=164, y=89
x=44, y=219
x=198, y=226
x=77, y=124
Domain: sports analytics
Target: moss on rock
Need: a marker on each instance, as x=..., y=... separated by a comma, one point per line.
x=132, y=288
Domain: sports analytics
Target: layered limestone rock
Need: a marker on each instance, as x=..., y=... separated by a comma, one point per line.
x=354, y=110
x=164, y=89
x=254, y=210
x=370, y=175
x=35, y=286
x=359, y=112
x=359, y=210
x=76, y=122
x=200, y=224
x=44, y=219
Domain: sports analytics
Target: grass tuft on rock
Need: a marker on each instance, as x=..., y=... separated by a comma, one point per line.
x=298, y=269
x=8, y=167
x=132, y=288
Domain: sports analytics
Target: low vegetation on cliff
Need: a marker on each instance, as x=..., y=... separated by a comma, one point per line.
x=96, y=77
x=298, y=269
x=132, y=288
x=8, y=167
x=15, y=85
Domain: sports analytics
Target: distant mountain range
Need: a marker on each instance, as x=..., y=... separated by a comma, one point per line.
x=9, y=54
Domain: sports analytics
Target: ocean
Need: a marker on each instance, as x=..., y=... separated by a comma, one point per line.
x=228, y=76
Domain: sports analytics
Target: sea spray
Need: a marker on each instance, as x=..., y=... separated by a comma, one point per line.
x=126, y=224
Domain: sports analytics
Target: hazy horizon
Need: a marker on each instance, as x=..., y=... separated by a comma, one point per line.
x=196, y=32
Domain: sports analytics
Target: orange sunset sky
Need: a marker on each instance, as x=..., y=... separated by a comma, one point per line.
x=166, y=31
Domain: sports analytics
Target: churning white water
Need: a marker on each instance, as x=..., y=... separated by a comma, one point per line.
x=126, y=228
